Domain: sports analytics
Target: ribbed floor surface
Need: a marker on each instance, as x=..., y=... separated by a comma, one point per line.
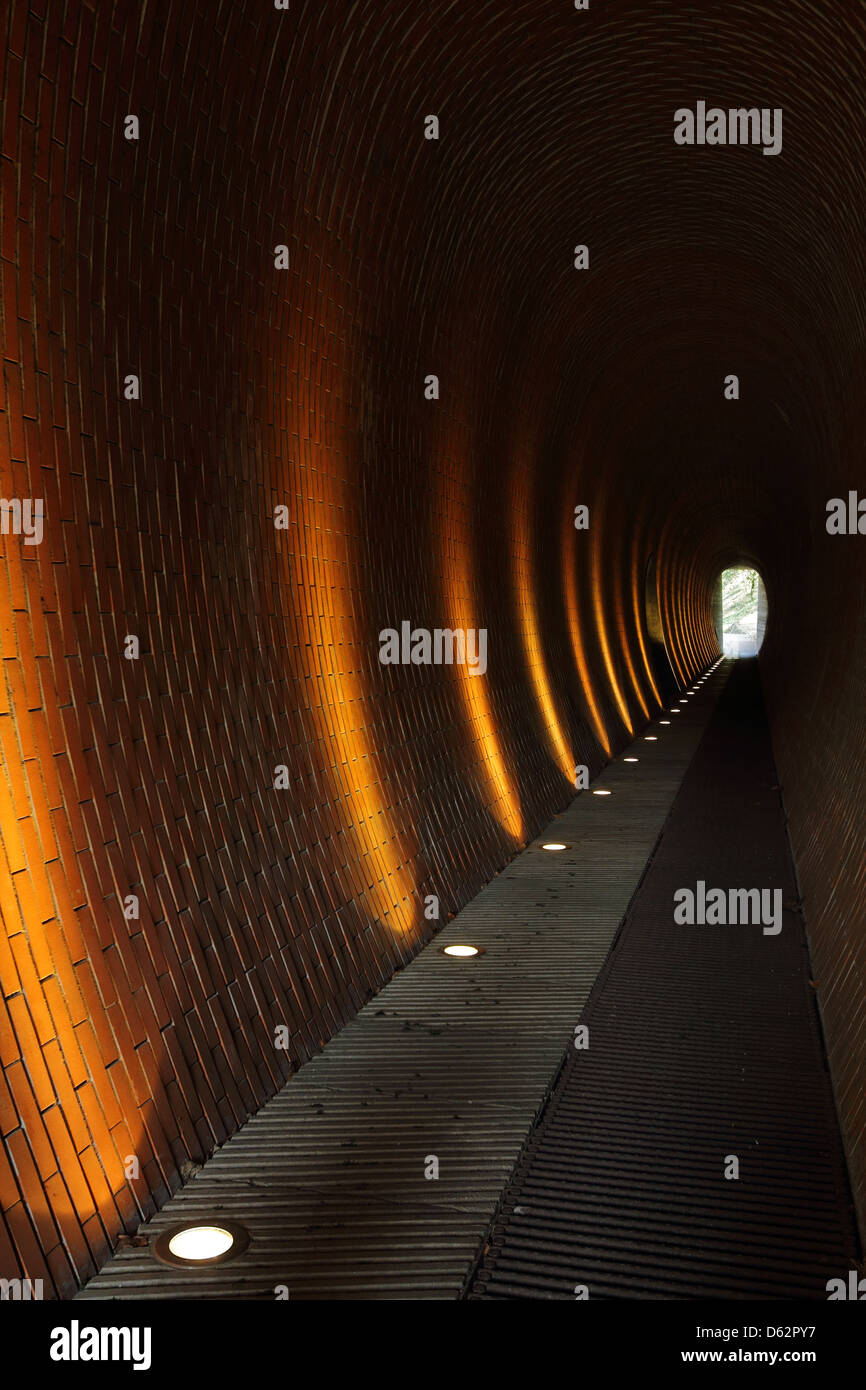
x=453, y=1059
x=703, y=1044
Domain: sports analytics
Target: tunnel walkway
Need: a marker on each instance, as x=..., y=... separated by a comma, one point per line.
x=452, y=1060
x=704, y=1044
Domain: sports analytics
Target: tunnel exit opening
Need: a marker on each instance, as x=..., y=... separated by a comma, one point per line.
x=740, y=611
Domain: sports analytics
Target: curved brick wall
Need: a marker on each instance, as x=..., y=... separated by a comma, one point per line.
x=304, y=387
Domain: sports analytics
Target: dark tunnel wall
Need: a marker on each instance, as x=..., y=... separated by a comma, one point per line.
x=153, y=1038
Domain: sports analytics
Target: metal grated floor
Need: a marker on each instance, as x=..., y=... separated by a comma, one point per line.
x=452, y=1058
x=704, y=1042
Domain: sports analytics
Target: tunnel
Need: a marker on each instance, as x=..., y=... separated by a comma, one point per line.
x=385, y=388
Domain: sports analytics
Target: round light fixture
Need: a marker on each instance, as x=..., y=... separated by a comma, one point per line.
x=650, y=738
x=554, y=845
x=600, y=791
x=664, y=721
x=201, y=1243
x=461, y=951
x=631, y=760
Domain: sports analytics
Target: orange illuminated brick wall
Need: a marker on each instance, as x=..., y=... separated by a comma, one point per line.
x=220, y=813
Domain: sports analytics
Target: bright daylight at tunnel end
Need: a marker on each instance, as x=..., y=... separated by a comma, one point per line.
x=432, y=620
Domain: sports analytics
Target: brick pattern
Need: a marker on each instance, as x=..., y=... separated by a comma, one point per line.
x=262, y=387
x=820, y=733
x=154, y=1038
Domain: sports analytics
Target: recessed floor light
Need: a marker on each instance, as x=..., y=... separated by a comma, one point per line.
x=461, y=951
x=664, y=721
x=202, y=1243
x=631, y=760
x=554, y=845
x=650, y=738
x=600, y=791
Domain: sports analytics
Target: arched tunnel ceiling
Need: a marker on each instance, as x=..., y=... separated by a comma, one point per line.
x=304, y=388
x=557, y=128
